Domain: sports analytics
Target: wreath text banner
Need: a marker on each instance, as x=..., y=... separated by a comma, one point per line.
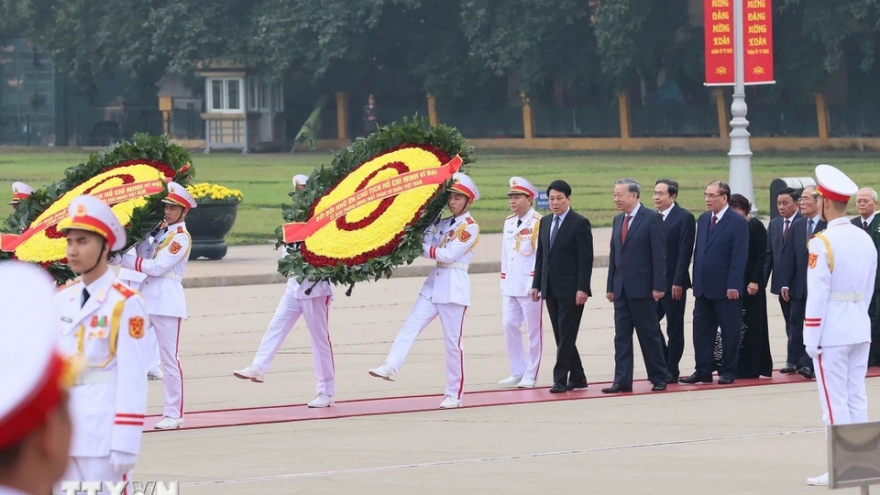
x=300, y=231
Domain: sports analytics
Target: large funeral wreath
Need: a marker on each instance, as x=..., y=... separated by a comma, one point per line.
x=129, y=175
x=413, y=160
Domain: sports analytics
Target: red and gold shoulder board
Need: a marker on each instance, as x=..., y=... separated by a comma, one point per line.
x=123, y=289
x=179, y=229
x=470, y=220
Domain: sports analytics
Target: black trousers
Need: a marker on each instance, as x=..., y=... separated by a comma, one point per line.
x=874, y=357
x=565, y=317
x=673, y=311
x=786, y=316
x=797, y=353
x=709, y=314
x=641, y=314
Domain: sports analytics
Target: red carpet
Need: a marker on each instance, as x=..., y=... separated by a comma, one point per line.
x=420, y=403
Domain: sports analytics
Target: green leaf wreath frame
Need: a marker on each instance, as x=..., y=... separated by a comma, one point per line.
x=323, y=178
x=143, y=220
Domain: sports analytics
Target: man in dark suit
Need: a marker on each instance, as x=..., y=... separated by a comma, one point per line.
x=794, y=282
x=563, y=267
x=720, y=256
x=869, y=221
x=636, y=281
x=680, y=229
x=777, y=237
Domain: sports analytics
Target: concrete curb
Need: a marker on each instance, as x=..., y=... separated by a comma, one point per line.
x=404, y=271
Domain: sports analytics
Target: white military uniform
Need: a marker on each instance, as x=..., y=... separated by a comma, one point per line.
x=102, y=324
x=518, y=248
x=164, y=261
x=446, y=293
x=314, y=307
x=33, y=373
x=134, y=279
x=842, y=264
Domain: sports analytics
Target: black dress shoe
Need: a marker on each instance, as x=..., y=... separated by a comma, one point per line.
x=577, y=385
x=725, y=380
x=558, y=388
x=616, y=389
x=788, y=369
x=672, y=378
x=695, y=378
x=807, y=373
x=658, y=387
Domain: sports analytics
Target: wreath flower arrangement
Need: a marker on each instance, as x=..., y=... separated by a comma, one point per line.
x=131, y=176
x=365, y=214
x=207, y=193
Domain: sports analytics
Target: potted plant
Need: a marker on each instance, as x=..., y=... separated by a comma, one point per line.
x=209, y=223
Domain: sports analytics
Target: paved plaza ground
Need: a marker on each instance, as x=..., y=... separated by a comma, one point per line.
x=749, y=440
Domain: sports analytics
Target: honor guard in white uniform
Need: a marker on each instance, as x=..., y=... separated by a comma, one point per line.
x=35, y=426
x=101, y=322
x=134, y=280
x=311, y=301
x=447, y=291
x=20, y=192
x=518, y=247
x=164, y=262
x=841, y=267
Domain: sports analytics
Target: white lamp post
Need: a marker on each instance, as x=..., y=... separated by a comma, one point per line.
x=740, y=154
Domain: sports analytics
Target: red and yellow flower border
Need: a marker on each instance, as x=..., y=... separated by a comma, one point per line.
x=307, y=263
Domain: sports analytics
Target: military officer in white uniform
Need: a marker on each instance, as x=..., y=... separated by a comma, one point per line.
x=20, y=192
x=35, y=426
x=447, y=291
x=164, y=262
x=134, y=280
x=101, y=322
x=841, y=267
x=518, y=247
x=311, y=301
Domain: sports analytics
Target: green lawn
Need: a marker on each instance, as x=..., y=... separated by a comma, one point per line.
x=265, y=179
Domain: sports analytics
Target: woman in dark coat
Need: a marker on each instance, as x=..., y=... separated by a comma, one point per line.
x=754, y=351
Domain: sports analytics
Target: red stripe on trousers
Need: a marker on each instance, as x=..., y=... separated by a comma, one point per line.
x=461, y=354
x=327, y=313
x=825, y=390
x=179, y=369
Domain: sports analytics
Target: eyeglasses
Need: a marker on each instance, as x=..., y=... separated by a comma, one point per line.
x=710, y=196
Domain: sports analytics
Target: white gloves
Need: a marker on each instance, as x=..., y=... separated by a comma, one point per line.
x=122, y=462
x=813, y=352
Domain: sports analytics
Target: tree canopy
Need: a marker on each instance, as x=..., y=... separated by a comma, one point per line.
x=443, y=47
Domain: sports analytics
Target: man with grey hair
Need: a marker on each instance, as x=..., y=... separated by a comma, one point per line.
x=636, y=282
x=869, y=221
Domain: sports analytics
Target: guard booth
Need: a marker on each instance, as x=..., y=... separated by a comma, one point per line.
x=243, y=110
x=854, y=456
x=780, y=184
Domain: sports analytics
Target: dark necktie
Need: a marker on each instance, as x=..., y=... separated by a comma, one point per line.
x=85, y=297
x=712, y=222
x=555, y=229
x=785, y=230
x=809, y=229
x=624, y=229
x=518, y=223
x=865, y=225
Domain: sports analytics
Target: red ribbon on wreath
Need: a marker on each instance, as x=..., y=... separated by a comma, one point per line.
x=300, y=231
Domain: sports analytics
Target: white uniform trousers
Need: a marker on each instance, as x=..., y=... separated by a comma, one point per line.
x=519, y=310
x=167, y=330
x=96, y=469
x=452, y=319
x=840, y=374
x=316, y=312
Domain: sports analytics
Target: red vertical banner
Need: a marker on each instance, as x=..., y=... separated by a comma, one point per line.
x=758, y=27
x=718, y=40
x=757, y=41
